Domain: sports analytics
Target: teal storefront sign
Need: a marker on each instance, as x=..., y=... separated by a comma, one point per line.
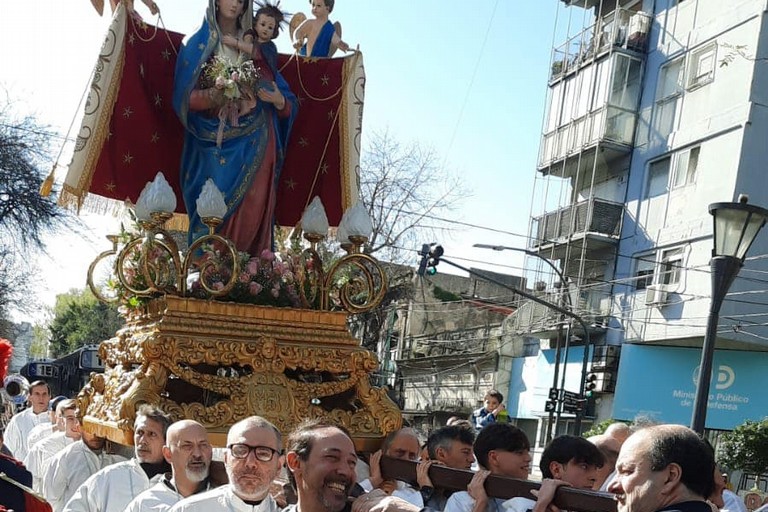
x=660, y=382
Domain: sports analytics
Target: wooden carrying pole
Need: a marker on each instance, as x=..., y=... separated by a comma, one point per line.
x=567, y=498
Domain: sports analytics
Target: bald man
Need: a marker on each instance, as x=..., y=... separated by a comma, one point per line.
x=619, y=431
x=189, y=453
x=664, y=467
x=253, y=459
x=401, y=444
x=609, y=447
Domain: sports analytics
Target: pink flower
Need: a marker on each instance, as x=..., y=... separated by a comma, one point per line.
x=218, y=286
x=267, y=255
x=253, y=267
x=235, y=76
x=254, y=288
x=220, y=82
x=275, y=292
x=245, y=277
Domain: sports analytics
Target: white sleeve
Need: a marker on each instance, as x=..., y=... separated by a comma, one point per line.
x=135, y=504
x=12, y=437
x=84, y=499
x=459, y=502
x=54, y=484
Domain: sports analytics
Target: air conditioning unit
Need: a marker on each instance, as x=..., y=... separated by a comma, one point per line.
x=655, y=295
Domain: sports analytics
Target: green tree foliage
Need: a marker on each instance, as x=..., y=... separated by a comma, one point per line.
x=746, y=448
x=599, y=428
x=80, y=319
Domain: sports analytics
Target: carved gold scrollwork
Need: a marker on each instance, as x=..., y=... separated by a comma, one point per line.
x=207, y=267
x=159, y=358
x=357, y=281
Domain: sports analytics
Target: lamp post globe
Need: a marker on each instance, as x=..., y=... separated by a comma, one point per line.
x=736, y=226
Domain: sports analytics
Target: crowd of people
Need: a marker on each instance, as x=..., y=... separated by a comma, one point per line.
x=317, y=469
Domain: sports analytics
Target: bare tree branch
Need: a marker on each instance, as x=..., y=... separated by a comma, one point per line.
x=402, y=185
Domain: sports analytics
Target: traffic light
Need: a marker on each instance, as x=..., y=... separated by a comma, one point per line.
x=590, y=384
x=554, y=394
x=430, y=257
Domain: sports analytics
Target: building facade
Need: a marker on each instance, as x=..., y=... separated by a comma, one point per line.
x=655, y=109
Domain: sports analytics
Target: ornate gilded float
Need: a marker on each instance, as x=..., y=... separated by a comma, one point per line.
x=218, y=362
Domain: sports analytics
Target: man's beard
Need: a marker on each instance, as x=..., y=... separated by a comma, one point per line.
x=196, y=474
x=250, y=490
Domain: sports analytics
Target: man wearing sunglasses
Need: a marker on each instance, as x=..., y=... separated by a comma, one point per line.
x=252, y=460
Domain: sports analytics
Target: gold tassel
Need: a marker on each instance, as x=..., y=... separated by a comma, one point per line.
x=47, y=186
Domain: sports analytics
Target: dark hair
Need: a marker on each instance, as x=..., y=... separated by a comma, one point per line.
x=328, y=4
x=39, y=383
x=499, y=436
x=495, y=394
x=565, y=449
x=154, y=413
x=684, y=447
x=300, y=441
x=444, y=436
x=239, y=18
x=273, y=11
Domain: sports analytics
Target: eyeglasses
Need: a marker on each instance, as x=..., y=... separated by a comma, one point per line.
x=262, y=453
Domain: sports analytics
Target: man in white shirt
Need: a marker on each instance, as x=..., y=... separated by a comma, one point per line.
x=321, y=462
x=402, y=444
x=43, y=430
x=252, y=460
x=113, y=488
x=72, y=466
x=17, y=430
x=189, y=453
x=40, y=454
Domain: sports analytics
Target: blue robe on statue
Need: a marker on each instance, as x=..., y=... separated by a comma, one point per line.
x=322, y=47
x=237, y=164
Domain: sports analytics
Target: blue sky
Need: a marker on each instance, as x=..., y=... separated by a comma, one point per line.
x=466, y=78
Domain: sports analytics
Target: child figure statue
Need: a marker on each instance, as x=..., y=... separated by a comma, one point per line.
x=318, y=37
x=258, y=41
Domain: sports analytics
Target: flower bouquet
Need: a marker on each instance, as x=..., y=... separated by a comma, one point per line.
x=266, y=280
x=237, y=81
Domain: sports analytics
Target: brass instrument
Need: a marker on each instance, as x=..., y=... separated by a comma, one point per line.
x=15, y=389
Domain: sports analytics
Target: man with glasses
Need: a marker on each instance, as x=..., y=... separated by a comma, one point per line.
x=253, y=459
x=189, y=453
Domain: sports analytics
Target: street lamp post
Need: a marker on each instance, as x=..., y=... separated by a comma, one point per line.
x=736, y=226
x=554, y=417
x=436, y=254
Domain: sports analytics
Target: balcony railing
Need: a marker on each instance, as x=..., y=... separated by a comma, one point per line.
x=621, y=28
x=611, y=124
x=593, y=216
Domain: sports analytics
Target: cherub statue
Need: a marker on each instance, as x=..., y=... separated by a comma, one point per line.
x=317, y=37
